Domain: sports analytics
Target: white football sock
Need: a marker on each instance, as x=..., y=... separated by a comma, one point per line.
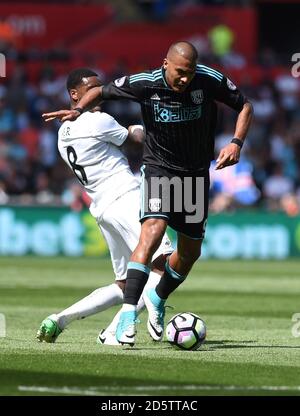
x=99, y=300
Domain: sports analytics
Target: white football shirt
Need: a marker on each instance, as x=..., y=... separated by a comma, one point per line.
x=90, y=146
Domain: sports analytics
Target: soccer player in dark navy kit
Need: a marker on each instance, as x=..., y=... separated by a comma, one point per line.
x=179, y=113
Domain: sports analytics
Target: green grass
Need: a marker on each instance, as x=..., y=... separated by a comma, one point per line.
x=247, y=306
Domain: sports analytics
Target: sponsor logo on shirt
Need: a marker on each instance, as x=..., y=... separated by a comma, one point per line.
x=173, y=114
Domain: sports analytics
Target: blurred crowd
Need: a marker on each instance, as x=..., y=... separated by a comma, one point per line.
x=268, y=172
x=267, y=176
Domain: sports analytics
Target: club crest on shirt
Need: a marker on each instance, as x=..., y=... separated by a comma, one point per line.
x=197, y=96
x=154, y=204
x=120, y=81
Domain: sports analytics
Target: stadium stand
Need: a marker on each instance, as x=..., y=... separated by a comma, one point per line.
x=30, y=169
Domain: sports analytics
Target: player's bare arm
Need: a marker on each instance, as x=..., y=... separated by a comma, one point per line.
x=89, y=100
x=136, y=135
x=134, y=144
x=230, y=154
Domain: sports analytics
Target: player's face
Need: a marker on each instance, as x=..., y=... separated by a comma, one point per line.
x=179, y=72
x=86, y=84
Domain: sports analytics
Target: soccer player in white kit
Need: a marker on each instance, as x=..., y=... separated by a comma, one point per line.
x=90, y=146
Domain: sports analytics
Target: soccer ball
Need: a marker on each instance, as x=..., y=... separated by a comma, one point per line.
x=186, y=331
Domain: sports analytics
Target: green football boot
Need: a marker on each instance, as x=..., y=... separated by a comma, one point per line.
x=49, y=329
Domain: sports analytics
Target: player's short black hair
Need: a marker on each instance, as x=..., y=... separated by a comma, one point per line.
x=75, y=77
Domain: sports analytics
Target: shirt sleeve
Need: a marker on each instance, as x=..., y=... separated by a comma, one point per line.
x=109, y=130
x=123, y=88
x=226, y=92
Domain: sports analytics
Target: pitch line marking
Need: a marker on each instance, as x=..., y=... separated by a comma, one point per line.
x=95, y=391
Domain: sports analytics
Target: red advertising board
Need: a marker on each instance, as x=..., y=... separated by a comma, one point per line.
x=45, y=26
x=94, y=38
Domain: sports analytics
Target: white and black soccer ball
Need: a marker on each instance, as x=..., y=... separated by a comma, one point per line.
x=186, y=331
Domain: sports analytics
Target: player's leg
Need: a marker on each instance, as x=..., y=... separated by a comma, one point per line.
x=107, y=296
x=189, y=241
x=138, y=270
x=101, y=298
x=154, y=222
x=107, y=335
x=97, y=301
x=121, y=229
x=122, y=217
x=177, y=267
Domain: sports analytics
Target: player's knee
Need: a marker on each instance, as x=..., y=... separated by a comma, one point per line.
x=189, y=257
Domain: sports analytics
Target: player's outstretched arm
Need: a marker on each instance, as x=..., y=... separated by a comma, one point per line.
x=89, y=100
x=230, y=154
x=62, y=115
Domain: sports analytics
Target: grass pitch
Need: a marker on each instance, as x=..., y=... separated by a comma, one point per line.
x=249, y=350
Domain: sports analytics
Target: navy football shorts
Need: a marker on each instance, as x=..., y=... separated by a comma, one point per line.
x=179, y=198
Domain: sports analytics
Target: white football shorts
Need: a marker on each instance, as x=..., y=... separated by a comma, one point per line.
x=121, y=229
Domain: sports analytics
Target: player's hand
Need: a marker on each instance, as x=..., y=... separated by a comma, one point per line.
x=229, y=155
x=62, y=115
